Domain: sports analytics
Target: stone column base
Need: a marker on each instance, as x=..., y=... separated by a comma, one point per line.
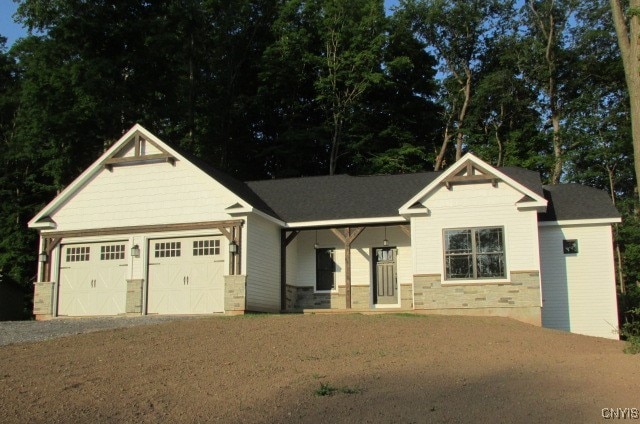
x=235, y=294
x=134, y=296
x=43, y=300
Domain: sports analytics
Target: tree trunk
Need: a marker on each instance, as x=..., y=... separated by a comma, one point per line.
x=617, y=254
x=463, y=113
x=335, y=143
x=443, y=149
x=628, y=41
x=557, y=149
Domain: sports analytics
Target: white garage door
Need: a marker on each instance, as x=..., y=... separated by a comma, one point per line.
x=186, y=276
x=93, y=279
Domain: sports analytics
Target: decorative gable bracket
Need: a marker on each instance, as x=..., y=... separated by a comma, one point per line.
x=139, y=154
x=469, y=172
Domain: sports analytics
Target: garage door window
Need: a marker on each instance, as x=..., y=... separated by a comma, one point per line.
x=112, y=252
x=78, y=254
x=206, y=247
x=167, y=249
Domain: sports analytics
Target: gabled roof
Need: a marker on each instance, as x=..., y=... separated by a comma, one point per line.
x=471, y=169
x=113, y=158
x=568, y=202
x=343, y=198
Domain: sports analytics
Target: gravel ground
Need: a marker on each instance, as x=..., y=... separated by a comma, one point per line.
x=35, y=331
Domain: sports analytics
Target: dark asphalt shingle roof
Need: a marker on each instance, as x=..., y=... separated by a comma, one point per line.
x=346, y=197
x=340, y=196
x=575, y=201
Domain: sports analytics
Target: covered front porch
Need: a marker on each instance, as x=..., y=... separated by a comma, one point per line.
x=347, y=268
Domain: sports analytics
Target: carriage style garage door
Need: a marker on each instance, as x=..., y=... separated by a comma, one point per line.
x=186, y=276
x=93, y=279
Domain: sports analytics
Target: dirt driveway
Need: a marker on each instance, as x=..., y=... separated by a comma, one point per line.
x=274, y=368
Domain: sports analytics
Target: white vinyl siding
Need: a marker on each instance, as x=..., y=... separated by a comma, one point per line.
x=578, y=290
x=263, y=265
x=145, y=194
x=475, y=205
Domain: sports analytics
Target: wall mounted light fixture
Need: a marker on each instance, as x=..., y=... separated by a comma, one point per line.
x=135, y=251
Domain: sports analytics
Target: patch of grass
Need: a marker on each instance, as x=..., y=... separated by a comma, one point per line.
x=631, y=332
x=409, y=315
x=633, y=345
x=326, y=389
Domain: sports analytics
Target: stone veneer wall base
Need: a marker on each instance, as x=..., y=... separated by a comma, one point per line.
x=519, y=298
x=134, y=297
x=43, y=300
x=235, y=294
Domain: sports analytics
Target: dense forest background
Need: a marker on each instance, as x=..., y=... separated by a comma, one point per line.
x=287, y=88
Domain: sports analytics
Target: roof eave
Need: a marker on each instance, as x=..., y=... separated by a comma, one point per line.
x=588, y=221
x=347, y=222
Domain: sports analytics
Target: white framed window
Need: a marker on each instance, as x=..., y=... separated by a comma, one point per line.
x=206, y=247
x=474, y=253
x=112, y=252
x=78, y=254
x=169, y=249
x=325, y=270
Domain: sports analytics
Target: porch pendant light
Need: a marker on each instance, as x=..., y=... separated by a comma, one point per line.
x=315, y=246
x=385, y=242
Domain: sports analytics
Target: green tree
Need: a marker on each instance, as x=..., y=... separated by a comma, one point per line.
x=627, y=26
x=546, y=64
x=459, y=31
x=337, y=46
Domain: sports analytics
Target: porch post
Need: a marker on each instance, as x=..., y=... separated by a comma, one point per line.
x=347, y=266
x=284, y=242
x=283, y=270
x=347, y=238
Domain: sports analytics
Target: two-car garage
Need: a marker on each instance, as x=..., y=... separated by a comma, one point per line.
x=185, y=276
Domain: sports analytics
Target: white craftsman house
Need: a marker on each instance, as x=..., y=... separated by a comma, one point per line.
x=148, y=230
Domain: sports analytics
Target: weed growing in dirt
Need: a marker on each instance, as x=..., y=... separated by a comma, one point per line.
x=327, y=389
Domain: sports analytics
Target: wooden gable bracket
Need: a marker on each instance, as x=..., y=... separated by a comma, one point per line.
x=138, y=157
x=285, y=240
x=348, y=236
x=233, y=234
x=406, y=229
x=466, y=173
x=288, y=239
x=49, y=244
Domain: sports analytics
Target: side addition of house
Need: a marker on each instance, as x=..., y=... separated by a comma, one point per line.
x=147, y=229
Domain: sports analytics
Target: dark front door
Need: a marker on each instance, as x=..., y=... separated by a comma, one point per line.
x=385, y=280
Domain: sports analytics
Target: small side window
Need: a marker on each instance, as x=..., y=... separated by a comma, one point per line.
x=570, y=247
